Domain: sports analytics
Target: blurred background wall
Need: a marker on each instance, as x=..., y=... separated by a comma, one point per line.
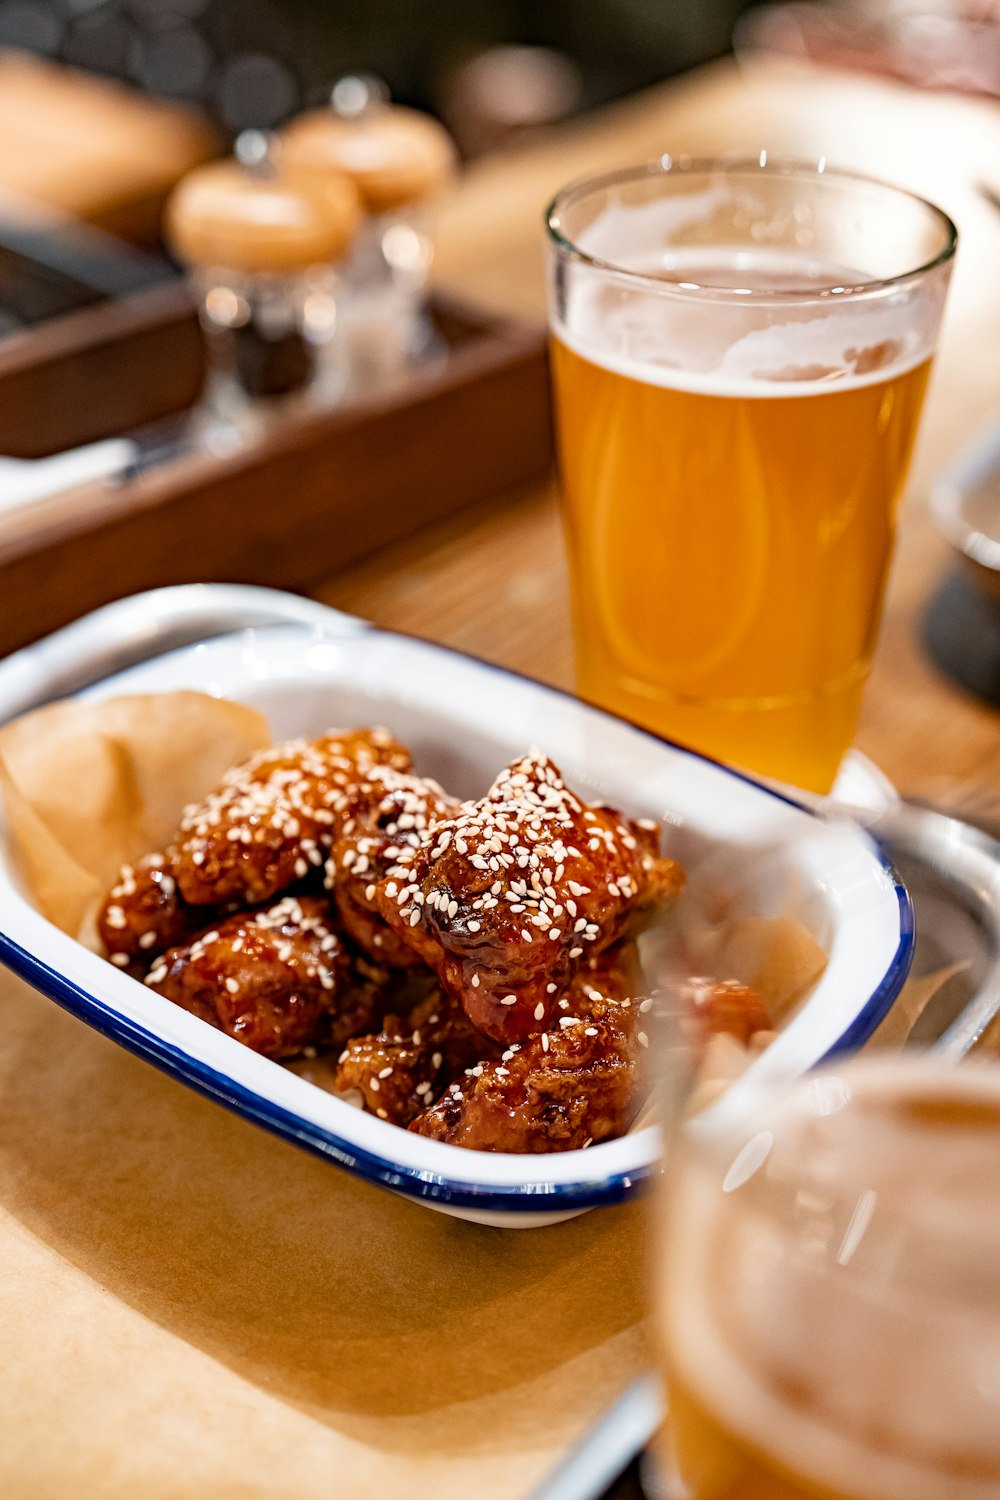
x=253, y=62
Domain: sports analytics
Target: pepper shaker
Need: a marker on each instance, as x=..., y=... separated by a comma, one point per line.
x=262, y=247
x=398, y=159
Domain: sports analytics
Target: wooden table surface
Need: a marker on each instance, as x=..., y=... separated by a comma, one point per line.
x=493, y=580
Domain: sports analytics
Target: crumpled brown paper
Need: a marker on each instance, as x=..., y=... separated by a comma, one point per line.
x=776, y=956
x=191, y=1308
x=894, y=1030
x=89, y=786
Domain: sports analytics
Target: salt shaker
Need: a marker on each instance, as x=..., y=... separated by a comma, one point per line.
x=262, y=246
x=398, y=159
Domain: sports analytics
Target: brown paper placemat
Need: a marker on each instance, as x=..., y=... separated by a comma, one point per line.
x=191, y=1307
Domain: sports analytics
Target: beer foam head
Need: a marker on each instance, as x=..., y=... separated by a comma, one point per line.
x=673, y=328
x=834, y=1283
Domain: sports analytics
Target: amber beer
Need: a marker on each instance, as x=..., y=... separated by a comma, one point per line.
x=729, y=550
x=830, y=1313
x=734, y=424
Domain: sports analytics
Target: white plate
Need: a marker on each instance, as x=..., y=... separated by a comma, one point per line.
x=463, y=719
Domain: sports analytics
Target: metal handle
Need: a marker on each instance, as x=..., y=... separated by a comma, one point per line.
x=967, y=860
x=133, y=630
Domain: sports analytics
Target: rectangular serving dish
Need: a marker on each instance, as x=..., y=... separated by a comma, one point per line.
x=313, y=495
x=307, y=668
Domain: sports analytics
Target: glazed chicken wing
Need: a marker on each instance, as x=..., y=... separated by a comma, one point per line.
x=727, y=1006
x=507, y=899
x=143, y=913
x=388, y=813
x=572, y=1084
x=402, y=1069
x=273, y=818
x=277, y=980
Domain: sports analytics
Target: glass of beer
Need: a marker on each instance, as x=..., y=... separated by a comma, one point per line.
x=740, y=355
x=828, y=1289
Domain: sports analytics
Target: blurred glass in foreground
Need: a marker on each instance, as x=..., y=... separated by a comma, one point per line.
x=740, y=355
x=827, y=1284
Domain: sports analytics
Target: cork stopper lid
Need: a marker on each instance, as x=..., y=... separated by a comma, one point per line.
x=395, y=156
x=250, y=214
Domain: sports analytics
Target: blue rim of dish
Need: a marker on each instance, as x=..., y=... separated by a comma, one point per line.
x=412, y=1181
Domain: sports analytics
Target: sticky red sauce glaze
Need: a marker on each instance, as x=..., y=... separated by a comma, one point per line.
x=507, y=900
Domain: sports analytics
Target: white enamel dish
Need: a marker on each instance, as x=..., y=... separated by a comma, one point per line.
x=307, y=668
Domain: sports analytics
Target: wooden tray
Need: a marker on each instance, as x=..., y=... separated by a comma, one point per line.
x=315, y=496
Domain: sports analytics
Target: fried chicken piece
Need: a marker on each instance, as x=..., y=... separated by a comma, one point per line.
x=400, y=1071
x=384, y=815
x=615, y=974
x=563, y=1089
x=143, y=914
x=273, y=818
x=277, y=980
x=506, y=900
x=726, y=1006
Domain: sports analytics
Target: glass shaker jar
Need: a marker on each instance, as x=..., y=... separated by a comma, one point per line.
x=398, y=159
x=262, y=248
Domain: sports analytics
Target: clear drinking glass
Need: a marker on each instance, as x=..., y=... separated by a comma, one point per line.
x=740, y=355
x=827, y=1289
